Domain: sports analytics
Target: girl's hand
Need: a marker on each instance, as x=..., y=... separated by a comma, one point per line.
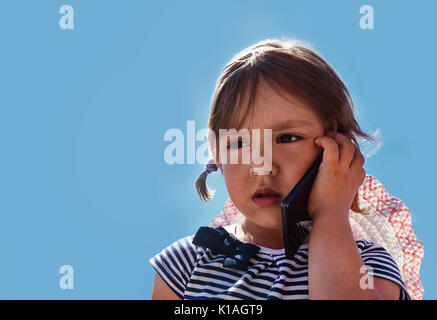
x=339, y=176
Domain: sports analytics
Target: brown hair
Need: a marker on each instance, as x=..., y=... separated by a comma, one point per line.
x=288, y=65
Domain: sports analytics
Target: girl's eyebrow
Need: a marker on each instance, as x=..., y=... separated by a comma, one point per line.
x=286, y=124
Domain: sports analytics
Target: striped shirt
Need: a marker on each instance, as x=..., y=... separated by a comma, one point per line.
x=193, y=272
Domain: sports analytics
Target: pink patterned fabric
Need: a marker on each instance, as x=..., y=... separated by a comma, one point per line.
x=374, y=197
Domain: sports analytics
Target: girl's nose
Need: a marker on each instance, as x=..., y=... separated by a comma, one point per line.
x=261, y=171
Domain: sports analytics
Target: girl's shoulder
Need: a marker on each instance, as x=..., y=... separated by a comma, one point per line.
x=379, y=263
x=175, y=263
x=182, y=249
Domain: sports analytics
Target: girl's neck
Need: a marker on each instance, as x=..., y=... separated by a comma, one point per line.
x=269, y=238
x=247, y=231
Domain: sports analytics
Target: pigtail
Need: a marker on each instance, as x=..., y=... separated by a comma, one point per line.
x=202, y=189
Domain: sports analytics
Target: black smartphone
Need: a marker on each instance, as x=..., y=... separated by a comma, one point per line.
x=294, y=209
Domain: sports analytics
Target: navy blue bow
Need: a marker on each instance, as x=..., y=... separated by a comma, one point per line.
x=220, y=241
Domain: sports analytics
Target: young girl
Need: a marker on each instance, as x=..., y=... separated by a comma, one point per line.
x=289, y=88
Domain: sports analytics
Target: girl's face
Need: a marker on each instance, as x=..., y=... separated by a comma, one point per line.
x=293, y=151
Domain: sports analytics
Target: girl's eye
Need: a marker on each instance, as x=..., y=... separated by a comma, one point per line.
x=236, y=144
x=286, y=138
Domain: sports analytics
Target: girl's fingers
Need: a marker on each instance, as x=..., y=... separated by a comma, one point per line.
x=346, y=149
x=339, y=150
x=358, y=161
x=362, y=175
x=330, y=150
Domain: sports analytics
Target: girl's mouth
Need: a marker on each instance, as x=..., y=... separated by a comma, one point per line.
x=266, y=201
x=266, y=197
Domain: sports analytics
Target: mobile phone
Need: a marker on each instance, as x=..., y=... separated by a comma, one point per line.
x=294, y=209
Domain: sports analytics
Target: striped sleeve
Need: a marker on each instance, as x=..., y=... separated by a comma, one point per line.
x=382, y=265
x=175, y=264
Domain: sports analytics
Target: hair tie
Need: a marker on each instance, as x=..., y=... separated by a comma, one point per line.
x=210, y=166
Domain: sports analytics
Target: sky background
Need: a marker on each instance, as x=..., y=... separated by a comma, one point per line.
x=83, y=112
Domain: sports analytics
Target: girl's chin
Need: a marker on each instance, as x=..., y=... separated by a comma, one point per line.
x=268, y=221
x=269, y=217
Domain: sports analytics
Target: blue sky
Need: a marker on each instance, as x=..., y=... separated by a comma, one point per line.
x=83, y=114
